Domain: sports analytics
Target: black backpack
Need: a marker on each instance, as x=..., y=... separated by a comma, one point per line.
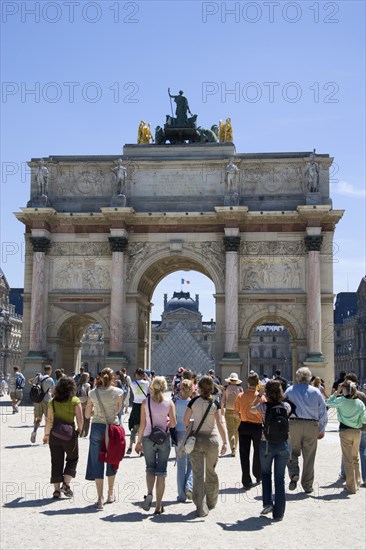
x=36, y=393
x=276, y=423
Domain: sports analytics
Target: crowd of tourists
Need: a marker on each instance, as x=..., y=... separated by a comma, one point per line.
x=268, y=419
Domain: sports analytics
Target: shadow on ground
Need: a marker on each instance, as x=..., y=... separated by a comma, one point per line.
x=249, y=524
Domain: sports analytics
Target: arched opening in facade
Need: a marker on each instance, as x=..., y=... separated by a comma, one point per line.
x=147, y=283
x=183, y=328
x=80, y=341
x=92, y=349
x=273, y=346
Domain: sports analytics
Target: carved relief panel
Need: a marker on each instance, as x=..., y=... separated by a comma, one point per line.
x=267, y=265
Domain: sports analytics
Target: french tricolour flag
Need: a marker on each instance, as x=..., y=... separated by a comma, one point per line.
x=184, y=281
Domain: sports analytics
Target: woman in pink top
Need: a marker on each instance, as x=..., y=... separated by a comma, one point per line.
x=156, y=456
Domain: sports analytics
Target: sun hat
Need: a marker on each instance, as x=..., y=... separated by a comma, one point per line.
x=233, y=378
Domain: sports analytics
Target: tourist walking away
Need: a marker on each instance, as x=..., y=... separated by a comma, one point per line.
x=103, y=404
x=176, y=382
x=79, y=375
x=208, y=422
x=229, y=395
x=126, y=394
x=129, y=398
x=351, y=376
x=42, y=388
x=218, y=388
x=340, y=380
x=283, y=381
x=351, y=414
x=250, y=430
x=318, y=382
x=61, y=435
x=15, y=388
x=274, y=448
x=157, y=417
x=82, y=392
x=305, y=429
x=140, y=390
x=184, y=467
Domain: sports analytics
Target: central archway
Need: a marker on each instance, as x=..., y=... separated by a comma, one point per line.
x=143, y=284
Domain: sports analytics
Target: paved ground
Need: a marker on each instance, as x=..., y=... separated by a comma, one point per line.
x=30, y=519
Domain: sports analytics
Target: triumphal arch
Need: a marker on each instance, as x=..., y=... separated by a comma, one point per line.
x=103, y=231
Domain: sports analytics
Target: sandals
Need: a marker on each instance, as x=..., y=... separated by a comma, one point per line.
x=66, y=490
x=158, y=512
x=56, y=494
x=110, y=500
x=147, y=502
x=99, y=506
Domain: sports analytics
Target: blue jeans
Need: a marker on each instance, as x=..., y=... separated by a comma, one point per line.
x=156, y=456
x=363, y=455
x=278, y=453
x=184, y=476
x=95, y=469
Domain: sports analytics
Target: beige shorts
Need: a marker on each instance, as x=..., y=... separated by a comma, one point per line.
x=40, y=409
x=16, y=394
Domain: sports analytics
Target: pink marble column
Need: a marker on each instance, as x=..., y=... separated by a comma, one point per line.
x=36, y=337
x=118, y=245
x=231, y=244
x=314, y=334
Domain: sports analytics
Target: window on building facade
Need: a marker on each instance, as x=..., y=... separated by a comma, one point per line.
x=274, y=353
x=273, y=338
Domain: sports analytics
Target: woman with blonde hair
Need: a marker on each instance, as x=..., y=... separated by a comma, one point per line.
x=184, y=468
x=103, y=404
x=157, y=416
x=317, y=382
x=351, y=414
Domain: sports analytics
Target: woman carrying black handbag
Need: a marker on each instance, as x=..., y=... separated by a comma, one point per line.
x=157, y=416
x=61, y=435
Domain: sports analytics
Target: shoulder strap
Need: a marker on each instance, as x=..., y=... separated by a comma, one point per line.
x=203, y=418
x=141, y=388
x=151, y=420
x=101, y=405
x=53, y=406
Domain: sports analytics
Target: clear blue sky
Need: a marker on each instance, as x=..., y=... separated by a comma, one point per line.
x=122, y=56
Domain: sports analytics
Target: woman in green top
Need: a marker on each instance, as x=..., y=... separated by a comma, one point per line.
x=65, y=407
x=351, y=414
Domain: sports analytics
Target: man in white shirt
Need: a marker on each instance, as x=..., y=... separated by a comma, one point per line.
x=140, y=388
x=41, y=409
x=15, y=388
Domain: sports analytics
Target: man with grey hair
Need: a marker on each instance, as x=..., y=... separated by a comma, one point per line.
x=305, y=429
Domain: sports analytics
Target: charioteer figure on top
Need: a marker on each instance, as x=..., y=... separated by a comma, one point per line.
x=182, y=108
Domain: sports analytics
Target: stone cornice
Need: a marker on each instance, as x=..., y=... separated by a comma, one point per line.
x=323, y=213
x=303, y=215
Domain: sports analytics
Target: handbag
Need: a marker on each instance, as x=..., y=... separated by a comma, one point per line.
x=191, y=440
x=60, y=429
x=104, y=446
x=158, y=435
